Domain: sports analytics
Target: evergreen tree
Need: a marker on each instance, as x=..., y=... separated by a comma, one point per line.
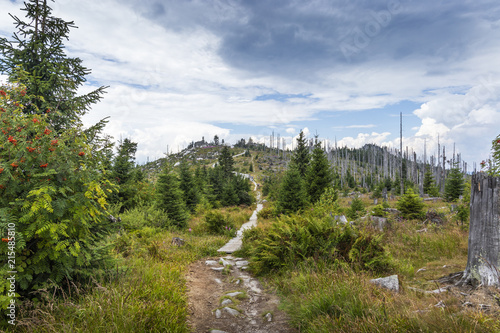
x=292, y=195
x=37, y=48
x=188, y=186
x=226, y=162
x=430, y=187
x=169, y=198
x=411, y=205
x=454, y=185
x=319, y=174
x=300, y=156
x=124, y=161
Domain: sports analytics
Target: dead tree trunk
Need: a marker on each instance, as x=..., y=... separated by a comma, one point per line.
x=484, y=232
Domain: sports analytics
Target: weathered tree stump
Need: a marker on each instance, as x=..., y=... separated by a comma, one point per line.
x=484, y=232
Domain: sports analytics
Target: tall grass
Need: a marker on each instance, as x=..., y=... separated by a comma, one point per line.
x=146, y=293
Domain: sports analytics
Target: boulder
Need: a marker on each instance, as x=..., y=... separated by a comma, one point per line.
x=389, y=282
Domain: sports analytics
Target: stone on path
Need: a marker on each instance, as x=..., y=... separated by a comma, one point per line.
x=211, y=262
x=236, y=293
x=218, y=313
x=219, y=269
x=217, y=331
x=241, y=263
x=390, y=282
x=231, y=311
x=269, y=316
x=226, y=302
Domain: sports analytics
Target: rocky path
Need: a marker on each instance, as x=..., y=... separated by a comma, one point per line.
x=224, y=297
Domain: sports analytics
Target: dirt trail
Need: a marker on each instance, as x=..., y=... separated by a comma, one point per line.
x=223, y=297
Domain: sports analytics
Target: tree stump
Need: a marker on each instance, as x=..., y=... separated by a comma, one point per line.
x=484, y=232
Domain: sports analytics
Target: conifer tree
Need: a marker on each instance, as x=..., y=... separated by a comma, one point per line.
x=37, y=48
x=319, y=174
x=429, y=183
x=292, y=195
x=454, y=185
x=188, y=186
x=123, y=174
x=226, y=162
x=300, y=156
x=169, y=198
x=411, y=205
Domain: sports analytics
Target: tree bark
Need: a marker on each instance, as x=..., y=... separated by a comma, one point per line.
x=484, y=232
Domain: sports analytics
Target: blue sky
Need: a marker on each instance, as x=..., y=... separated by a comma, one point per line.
x=180, y=70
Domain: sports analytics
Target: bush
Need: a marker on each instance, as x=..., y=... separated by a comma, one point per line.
x=411, y=205
x=53, y=191
x=357, y=208
x=217, y=223
x=293, y=239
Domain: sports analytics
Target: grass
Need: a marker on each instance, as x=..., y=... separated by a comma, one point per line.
x=147, y=294
x=324, y=295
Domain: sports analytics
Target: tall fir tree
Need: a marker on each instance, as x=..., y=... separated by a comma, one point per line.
x=169, y=198
x=188, y=186
x=37, y=48
x=319, y=174
x=292, y=195
x=300, y=156
x=430, y=187
x=122, y=173
x=454, y=185
x=226, y=162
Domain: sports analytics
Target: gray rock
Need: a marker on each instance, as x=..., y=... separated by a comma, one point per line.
x=341, y=218
x=232, y=312
x=390, y=282
x=219, y=269
x=211, y=262
x=241, y=263
x=236, y=293
x=218, y=313
x=218, y=281
x=226, y=301
x=379, y=221
x=217, y=331
x=225, y=262
x=269, y=316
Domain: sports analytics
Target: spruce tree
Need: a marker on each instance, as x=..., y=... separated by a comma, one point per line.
x=37, y=48
x=292, y=195
x=454, y=185
x=188, y=186
x=410, y=205
x=122, y=173
x=429, y=183
x=169, y=198
x=300, y=156
x=226, y=162
x=319, y=174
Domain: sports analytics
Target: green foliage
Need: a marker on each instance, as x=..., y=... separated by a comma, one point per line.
x=217, y=223
x=293, y=239
x=430, y=187
x=319, y=175
x=292, y=193
x=122, y=173
x=54, y=191
x=356, y=209
x=188, y=186
x=226, y=162
x=411, y=205
x=378, y=210
x=301, y=156
x=169, y=198
x=38, y=49
x=454, y=185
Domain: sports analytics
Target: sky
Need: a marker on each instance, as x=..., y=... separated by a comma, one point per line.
x=344, y=70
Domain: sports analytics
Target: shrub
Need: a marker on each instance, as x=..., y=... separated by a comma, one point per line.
x=411, y=205
x=217, y=223
x=292, y=239
x=357, y=208
x=53, y=190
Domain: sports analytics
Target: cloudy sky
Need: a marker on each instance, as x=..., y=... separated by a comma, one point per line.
x=344, y=69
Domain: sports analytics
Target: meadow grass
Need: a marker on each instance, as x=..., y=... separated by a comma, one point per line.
x=146, y=293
